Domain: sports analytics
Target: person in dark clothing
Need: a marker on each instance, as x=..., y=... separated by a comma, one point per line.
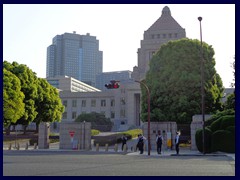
x=140, y=144
x=177, y=140
x=124, y=141
x=159, y=141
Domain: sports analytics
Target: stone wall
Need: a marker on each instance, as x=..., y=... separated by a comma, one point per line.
x=197, y=123
x=81, y=139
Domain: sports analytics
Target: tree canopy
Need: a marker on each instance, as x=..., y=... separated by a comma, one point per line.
x=13, y=106
x=174, y=80
x=28, y=81
x=48, y=103
x=28, y=98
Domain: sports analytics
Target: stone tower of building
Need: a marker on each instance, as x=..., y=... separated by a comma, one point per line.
x=163, y=30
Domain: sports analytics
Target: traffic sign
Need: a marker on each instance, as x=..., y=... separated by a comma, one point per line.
x=71, y=133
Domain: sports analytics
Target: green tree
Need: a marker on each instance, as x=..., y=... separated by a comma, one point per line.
x=174, y=80
x=29, y=83
x=48, y=104
x=13, y=106
x=98, y=120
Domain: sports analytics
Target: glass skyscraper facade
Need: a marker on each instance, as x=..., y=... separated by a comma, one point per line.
x=75, y=55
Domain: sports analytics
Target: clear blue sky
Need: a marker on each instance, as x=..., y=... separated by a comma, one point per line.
x=28, y=31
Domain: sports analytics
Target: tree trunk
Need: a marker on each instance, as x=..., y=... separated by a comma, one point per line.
x=24, y=129
x=37, y=128
x=8, y=130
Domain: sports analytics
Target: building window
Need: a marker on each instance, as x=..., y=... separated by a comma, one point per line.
x=74, y=115
x=175, y=35
x=122, y=113
x=123, y=101
x=64, y=115
x=65, y=103
x=158, y=36
x=112, y=114
x=103, y=103
x=74, y=103
x=164, y=36
x=84, y=103
x=170, y=35
x=152, y=36
x=93, y=103
x=112, y=102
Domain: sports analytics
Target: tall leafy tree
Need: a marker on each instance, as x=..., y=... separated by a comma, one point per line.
x=174, y=80
x=48, y=104
x=13, y=106
x=29, y=82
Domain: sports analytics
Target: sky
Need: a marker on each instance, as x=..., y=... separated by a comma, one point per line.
x=28, y=29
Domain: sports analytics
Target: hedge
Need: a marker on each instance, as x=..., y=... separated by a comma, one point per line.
x=223, y=122
x=199, y=139
x=223, y=140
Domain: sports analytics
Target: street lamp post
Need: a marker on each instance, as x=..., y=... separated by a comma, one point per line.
x=202, y=87
x=148, y=101
x=84, y=135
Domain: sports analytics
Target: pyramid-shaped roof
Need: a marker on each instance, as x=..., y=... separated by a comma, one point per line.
x=165, y=22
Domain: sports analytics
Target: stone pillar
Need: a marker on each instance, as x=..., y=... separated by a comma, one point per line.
x=196, y=124
x=43, y=135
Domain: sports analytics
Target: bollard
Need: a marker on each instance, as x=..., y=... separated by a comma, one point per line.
x=125, y=148
x=18, y=146
x=35, y=146
x=10, y=146
x=106, y=147
x=116, y=148
x=97, y=147
x=26, y=148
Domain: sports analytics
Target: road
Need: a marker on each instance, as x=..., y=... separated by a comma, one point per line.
x=91, y=163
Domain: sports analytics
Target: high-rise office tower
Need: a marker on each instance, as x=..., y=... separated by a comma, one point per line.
x=163, y=30
x=75, y=55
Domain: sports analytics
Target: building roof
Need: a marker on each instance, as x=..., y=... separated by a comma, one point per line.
x=165, y=22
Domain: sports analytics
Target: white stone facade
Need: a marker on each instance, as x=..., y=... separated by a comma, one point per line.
x=121, y=105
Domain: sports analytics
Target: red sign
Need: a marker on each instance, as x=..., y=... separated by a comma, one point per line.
x=71, y=133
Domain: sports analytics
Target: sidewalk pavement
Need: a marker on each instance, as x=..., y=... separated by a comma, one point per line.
x=153, y=153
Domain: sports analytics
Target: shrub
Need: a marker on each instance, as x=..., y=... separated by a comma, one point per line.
x=223, y=122
x=94, y=132
x=223, y=140
x=227, y=121
x=207, y=142
x=116, y=138
x=218, y=115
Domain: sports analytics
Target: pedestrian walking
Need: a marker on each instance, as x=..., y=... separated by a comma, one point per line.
x=177, y=140
x=159, y=141
x=124, y=141
x=140, y=143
